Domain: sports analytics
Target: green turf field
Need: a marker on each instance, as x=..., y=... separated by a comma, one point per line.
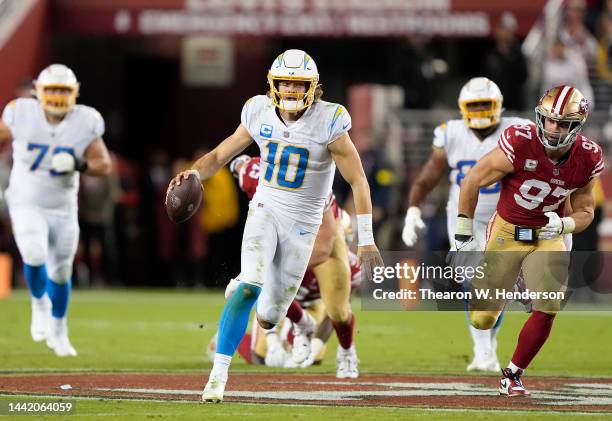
x=168, y=330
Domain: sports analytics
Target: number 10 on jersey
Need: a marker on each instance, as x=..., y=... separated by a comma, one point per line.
x=289, y=173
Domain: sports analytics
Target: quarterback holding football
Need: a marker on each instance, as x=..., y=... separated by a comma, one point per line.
x=301, y=140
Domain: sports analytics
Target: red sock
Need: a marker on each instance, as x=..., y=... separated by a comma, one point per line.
x=344, y=332
x=533, y=335
x=295, y=312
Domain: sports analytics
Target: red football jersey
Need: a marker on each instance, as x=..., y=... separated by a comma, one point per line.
x=309, y=289
x=537, y=185
x=248, y=176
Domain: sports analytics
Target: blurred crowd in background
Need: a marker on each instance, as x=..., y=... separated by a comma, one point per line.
x=412, y=82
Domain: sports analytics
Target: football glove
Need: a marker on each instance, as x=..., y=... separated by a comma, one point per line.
x=316, y=345
x=556, y=226
x=237, y=161
x=64, y=163
x=412, y=223
x=276, y=355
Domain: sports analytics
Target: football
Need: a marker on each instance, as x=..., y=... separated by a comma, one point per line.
x=183, y=200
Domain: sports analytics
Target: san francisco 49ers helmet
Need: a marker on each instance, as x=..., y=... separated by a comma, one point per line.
x=566, y=105
x=293, y=65
x=478, y=90
x=57, y=76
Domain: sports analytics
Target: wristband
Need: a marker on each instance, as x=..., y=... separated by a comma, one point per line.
x=365, y=232
x=568, y=225
x=464, y=228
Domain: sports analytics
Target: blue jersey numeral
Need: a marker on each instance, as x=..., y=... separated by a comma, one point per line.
x=42, y=151
x=284, y=163
x=464, y=166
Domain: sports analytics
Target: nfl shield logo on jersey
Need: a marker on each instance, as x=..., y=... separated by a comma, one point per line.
x=265, y=130
x=530, y=165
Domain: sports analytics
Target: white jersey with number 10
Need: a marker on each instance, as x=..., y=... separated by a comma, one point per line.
x=297, y=170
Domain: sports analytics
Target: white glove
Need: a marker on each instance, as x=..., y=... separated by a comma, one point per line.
x=276, y=356
x=237, y=161
x=412, y=222
x=316, y=345
x=556, y=226
x=63, y=162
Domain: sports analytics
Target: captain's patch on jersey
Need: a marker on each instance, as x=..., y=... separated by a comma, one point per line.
x=265, y=130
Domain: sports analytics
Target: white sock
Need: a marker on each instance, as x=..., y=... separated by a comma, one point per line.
x=350, y=350
x=40, y=302
x=59, y=326
x=305, y=322
x=513, y=367
x=272, y=339
x=482, y=342
x=220, y=366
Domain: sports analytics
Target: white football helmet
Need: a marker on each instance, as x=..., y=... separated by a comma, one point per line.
x=57, y=76
x=293, y=65
x=481, y=89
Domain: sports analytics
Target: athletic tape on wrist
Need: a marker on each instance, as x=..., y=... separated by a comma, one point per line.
x=464, y=226
x=365, y=232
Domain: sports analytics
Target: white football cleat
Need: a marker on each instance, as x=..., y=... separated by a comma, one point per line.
x=58, y=338
x=301, y=339
x=41, y=318
x=213, y=391
x=490, y=364
x=347, y=363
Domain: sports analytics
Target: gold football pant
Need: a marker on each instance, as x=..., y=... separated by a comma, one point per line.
x=545, y=268
x=334, y=278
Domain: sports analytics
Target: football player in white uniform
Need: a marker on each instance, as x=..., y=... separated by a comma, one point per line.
x=301, y=140
x=53, y=140
x=457, y=145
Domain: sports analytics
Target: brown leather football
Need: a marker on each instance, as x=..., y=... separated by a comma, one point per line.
x=183, y=200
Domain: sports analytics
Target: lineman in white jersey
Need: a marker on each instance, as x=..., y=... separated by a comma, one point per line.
x=301, y=140
x=457, y=145
x=53, y=140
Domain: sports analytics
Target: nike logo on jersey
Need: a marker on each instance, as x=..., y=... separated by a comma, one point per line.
x=345, y=126
x=304, y=232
